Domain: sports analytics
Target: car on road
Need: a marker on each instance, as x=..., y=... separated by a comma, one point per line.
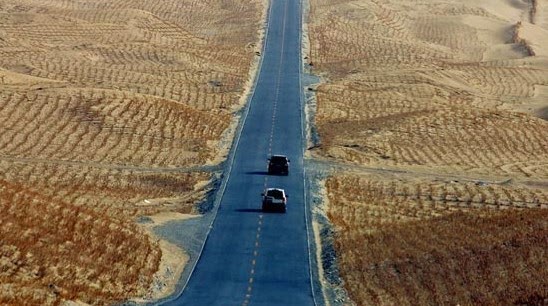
x=274, y=199
x=278, y=164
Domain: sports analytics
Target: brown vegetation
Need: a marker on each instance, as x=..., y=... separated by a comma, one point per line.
x=444, y=89
x=105, y=109
x=51, y=251
x=365, y=203
x=425, y=89
x=448, y=252
x=127, y=82
x=120, y=192
x=439, y=243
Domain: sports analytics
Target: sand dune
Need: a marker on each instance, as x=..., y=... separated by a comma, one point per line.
x=53, y=250
x=450, y=77
x=437, y=243
x=98, y=101
x=440, y=88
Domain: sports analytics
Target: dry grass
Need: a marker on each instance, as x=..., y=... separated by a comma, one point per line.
x=440, y=89
x=365, y=203
x=103, y=104
x=125, y=82
x=105, y=127
x=427, y=89
x=51, y=251
x=119, y=192
x=419, y=243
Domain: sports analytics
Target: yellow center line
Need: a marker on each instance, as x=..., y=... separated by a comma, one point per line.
x=275, y=109
x=278, y=83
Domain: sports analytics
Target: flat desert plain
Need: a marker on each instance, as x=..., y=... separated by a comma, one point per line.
x=110, y=110
x=435, y=114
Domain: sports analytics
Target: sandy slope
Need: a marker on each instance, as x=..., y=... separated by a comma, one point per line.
x=100, y=99
x=441, y=89
x=414, y=83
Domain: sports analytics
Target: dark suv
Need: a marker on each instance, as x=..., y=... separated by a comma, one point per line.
x=274, y=199
x=278, y=164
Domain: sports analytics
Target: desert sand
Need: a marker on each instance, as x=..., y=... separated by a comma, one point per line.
x=434, y=114
x=172, y=262
x=109, y=110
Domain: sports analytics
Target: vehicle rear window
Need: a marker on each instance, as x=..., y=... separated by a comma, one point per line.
x=278, y=159
x=275, y=193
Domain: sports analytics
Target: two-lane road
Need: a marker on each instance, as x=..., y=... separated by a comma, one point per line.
x=251, y=257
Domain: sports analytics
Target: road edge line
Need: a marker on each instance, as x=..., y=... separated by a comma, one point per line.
x=220, y=193
x=307, y=208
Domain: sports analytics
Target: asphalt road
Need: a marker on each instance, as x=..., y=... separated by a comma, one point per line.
x=251, y=257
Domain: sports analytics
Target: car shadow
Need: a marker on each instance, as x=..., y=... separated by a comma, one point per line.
x=257, y=172
x=249, y=210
